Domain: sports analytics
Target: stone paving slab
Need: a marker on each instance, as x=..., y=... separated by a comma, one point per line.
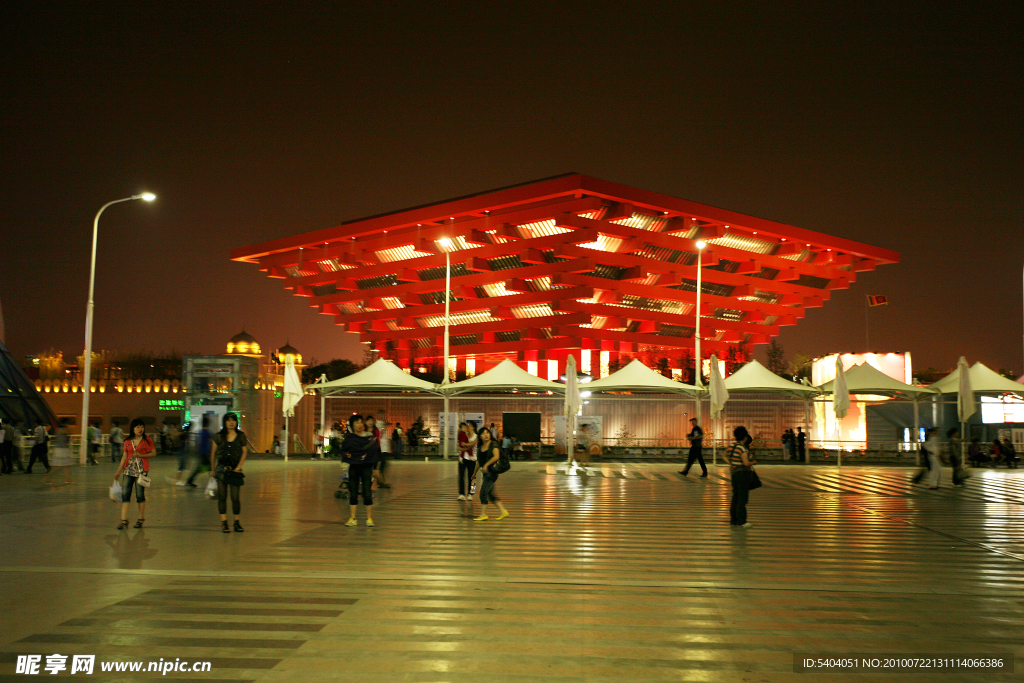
x=627, y=573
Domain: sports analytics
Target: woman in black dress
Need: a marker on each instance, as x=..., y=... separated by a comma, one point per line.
x=228, y=449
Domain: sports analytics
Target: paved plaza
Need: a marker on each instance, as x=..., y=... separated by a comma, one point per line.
x=629, y=574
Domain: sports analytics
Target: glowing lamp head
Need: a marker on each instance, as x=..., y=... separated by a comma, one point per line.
x=701, y=244
x=445, y=242
x=147, y=196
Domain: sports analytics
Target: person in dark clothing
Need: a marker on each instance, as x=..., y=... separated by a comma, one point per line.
x=228, y=449
x=741, y=466
x=488, y=453
x=696, y=437
x=397, y=435
x=413, y=438
x=955, y=457
x=40, y=446
x=975, y=455
x=361, y=450
x=203, y=442
x=7, y=446
x=1009, y=454
x=801, y=444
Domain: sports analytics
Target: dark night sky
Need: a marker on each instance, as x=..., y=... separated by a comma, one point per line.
x=895, y=124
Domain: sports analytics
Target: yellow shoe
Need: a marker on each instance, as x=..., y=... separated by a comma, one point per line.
x=481, y=518
x=502, y=516
x=351, y=521
x=369, y=522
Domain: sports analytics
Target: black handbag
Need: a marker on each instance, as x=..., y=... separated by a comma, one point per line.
x=755, y=481
x=232, y=478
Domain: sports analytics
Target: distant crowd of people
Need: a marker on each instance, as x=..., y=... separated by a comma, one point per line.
x=365, y=446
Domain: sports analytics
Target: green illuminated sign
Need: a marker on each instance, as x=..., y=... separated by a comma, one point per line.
x=172, y=404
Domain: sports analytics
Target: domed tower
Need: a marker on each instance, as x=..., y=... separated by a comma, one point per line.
x=289, y=352
x=244, y=344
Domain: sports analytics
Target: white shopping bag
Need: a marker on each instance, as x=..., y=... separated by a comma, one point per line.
x=211, y=489
x=115, y=492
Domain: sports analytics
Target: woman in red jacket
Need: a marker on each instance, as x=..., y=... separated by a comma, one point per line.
x=135, y=464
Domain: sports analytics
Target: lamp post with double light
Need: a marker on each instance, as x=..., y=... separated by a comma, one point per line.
x=700, y=244
x=447, y=245
x=83, y=449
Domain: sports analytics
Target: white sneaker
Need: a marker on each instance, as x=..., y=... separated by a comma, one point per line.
x=179, y=483
x=747, y=525
x=462, y=497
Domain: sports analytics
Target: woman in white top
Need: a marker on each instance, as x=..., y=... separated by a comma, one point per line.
x=60, y=451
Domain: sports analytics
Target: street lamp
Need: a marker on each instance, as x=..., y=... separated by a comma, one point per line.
x=447, y=244
x=83, y=449
x=700, y=244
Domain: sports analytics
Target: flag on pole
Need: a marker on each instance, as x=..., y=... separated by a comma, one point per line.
x=719, y=394
x=877, y=300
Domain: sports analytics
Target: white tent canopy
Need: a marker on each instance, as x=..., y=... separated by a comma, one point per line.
x=382, y=375
x=983, y=381
x=756, y=378
x=637, y=377
x=867, y=379
x=505, y=376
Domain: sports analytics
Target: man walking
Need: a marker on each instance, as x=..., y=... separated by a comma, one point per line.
x=397, y=434
x=696, y=437
x=801, y=444
x=40, y=446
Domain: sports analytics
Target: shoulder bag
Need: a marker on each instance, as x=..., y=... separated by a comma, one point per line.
x=143, y=479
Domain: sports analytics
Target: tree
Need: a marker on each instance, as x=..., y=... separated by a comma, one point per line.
x=736, y=357
x=334, y=369
x=370, y=356
x=930, y=375
x=777, y=359
x=801, y=365
x=686, y=364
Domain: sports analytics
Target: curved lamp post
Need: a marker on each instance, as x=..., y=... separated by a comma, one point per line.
x=83, y=449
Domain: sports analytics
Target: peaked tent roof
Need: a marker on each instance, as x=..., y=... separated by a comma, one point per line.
x=867, y=379
x=382, y=375
x=639, y=378
x=983, y=381
x=505, y=376
x=756, y=378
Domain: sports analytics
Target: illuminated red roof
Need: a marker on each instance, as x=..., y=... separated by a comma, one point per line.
x=566, y=264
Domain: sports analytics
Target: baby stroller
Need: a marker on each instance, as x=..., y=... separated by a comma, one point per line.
x=342, y=490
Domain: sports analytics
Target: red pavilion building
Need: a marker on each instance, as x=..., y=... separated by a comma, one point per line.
x=566, y=265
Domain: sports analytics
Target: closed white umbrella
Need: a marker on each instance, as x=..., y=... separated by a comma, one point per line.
x=572, y=405
x=964, y=399
x=965, y=394
x=840, y=405
x=840, y=394
x=719, y=395
x=292, y=395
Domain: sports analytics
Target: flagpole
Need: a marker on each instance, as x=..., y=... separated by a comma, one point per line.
x=867, y=341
